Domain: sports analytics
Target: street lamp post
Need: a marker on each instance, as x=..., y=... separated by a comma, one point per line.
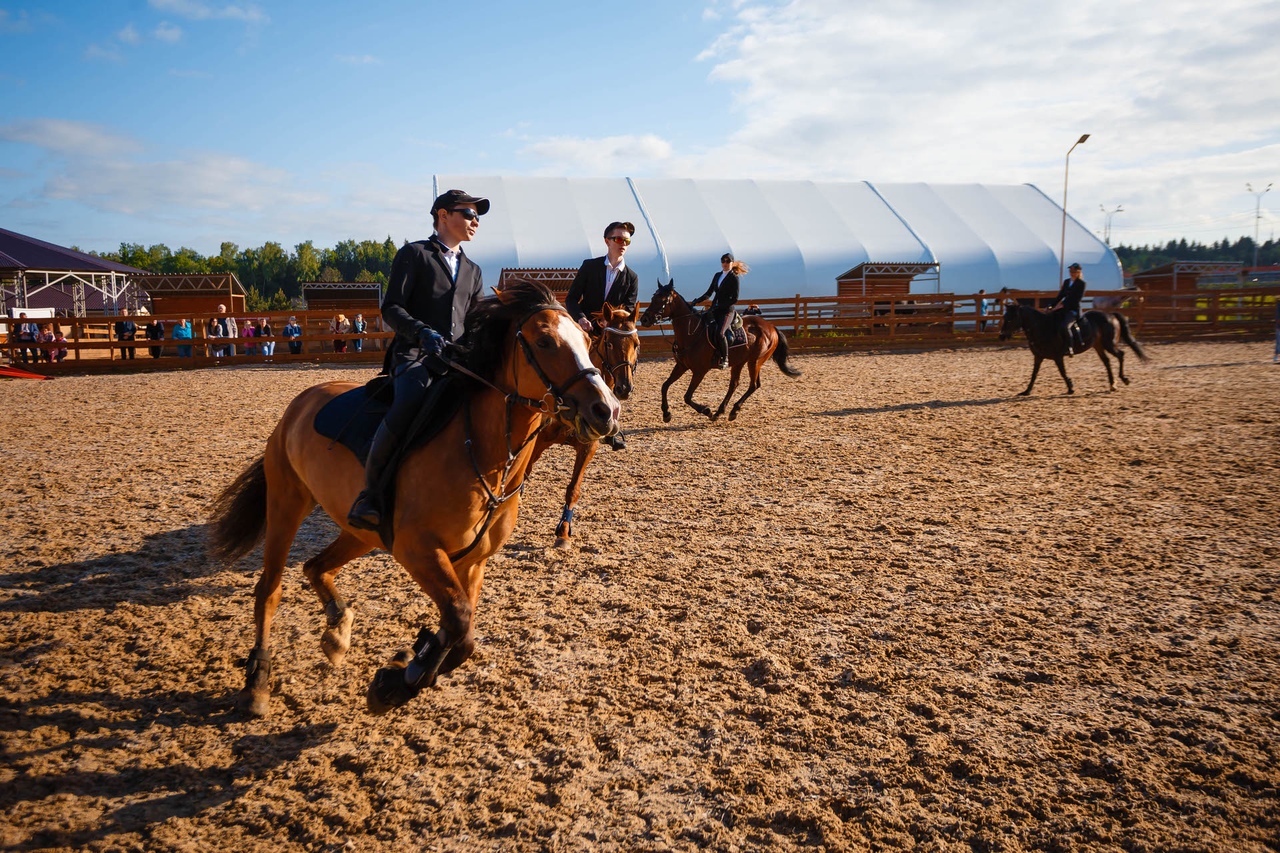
x=1257, y=217
x=1106, y=228
x=1062, y=250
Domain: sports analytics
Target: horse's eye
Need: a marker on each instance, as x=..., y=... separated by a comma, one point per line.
x=545, y=342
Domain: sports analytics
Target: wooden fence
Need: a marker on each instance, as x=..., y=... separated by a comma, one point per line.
x=812, y=324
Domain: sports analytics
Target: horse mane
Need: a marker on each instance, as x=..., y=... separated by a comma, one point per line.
x=487, y=323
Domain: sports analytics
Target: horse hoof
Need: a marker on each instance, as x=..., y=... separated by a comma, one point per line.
x=666, y=417
x=336, y=641
x=562, y=543
x=1024, y=393
x=256, y=703
x=733, y=416
x=388, y=689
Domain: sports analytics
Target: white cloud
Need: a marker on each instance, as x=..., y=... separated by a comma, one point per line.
x=129, y=35
x=1183, y=103
x=103, y=53
x=197, y=11
x=10, y=23
x=363, y=59
x=168, y=32
x=115, y=173
x=610, y=155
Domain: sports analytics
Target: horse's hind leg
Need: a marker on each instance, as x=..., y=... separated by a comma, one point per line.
x=728, y=395
x=753, y=385
x=286, y=509
x=688, y=396
x=1062, y=371
x=321, y=571
x=676, y=372
x=1106, y=362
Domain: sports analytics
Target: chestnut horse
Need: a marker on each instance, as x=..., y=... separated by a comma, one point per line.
x=1099, y=331
x=694, y=351
x=615, y=350
x=456, y=496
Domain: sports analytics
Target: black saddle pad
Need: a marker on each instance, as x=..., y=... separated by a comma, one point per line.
x=352, y=418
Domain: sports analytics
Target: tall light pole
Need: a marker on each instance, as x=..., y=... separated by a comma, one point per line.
x=1106, y=228
x=1062, y=251
x=1257, y=217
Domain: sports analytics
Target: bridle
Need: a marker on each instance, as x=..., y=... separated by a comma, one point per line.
x=513, y=398
x=599, y=346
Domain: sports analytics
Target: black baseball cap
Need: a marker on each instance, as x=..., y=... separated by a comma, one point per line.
x=457, y=198
x=1074, y=267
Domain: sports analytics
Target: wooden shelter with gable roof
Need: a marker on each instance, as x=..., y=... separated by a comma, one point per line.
x=194, y=293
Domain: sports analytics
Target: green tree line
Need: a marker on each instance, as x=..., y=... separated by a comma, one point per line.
x=272, y=277
x=1139, y=258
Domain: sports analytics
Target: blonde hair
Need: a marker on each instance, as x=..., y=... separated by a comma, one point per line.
x=738, y=268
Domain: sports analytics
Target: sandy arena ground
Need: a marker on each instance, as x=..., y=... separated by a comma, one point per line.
x=892, y=607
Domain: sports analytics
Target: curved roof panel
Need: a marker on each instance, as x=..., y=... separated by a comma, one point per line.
x=796, y=236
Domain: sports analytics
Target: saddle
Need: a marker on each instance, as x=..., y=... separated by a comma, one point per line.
x=351, y=419
x=736, y=334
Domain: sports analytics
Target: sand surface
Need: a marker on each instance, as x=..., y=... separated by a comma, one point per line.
x=891, y=607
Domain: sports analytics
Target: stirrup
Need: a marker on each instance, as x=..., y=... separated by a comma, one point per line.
x=365, y=514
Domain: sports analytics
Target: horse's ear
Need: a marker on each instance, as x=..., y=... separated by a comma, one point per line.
x=635, y=313
x=672, y=284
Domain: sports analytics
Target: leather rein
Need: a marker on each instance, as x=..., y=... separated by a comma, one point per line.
x=556, y=392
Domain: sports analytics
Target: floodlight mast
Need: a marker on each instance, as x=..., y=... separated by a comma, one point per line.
x=1062, y=249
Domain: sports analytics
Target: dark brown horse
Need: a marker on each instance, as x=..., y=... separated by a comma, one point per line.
x=1099, y=331
x=695, y=353
x=456, y=496
x=615, y=350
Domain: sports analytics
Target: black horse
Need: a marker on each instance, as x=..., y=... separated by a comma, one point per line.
x=1099, y=331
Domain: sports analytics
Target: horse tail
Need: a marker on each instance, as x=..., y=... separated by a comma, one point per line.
x=1127, y=337
x=780, y=353
x=239, y=515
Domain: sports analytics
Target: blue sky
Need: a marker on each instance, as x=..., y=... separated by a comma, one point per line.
x=191, y=122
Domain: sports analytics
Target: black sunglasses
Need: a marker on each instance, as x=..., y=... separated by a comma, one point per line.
x=467, y=213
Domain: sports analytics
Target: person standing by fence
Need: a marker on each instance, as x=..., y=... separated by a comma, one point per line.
x=126, y=331
x=340, y=326
x=265, y=331
x=155, y=332
x=293, y=332
x=1275, y=359
x=182, y=332
x=358, y=326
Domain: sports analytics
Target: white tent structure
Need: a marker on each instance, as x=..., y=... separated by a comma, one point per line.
x=797, y=236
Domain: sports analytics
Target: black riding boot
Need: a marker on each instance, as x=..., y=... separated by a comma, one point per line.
x=722, y=349
x=366, y=512
x=1065, y=334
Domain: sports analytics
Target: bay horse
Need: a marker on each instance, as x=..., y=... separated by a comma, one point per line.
x=615, y=350
x=1099, y=331
x=695, y=353
x=457, y=495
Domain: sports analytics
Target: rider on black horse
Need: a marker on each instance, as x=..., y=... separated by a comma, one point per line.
x=724, y=295
x=1067, y=305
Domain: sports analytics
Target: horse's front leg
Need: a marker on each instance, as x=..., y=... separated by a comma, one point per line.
x=411, y=671
x=583, y=454
x=676, y=373
x=1035, y=370
x=321, y=570
x=688, y=396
